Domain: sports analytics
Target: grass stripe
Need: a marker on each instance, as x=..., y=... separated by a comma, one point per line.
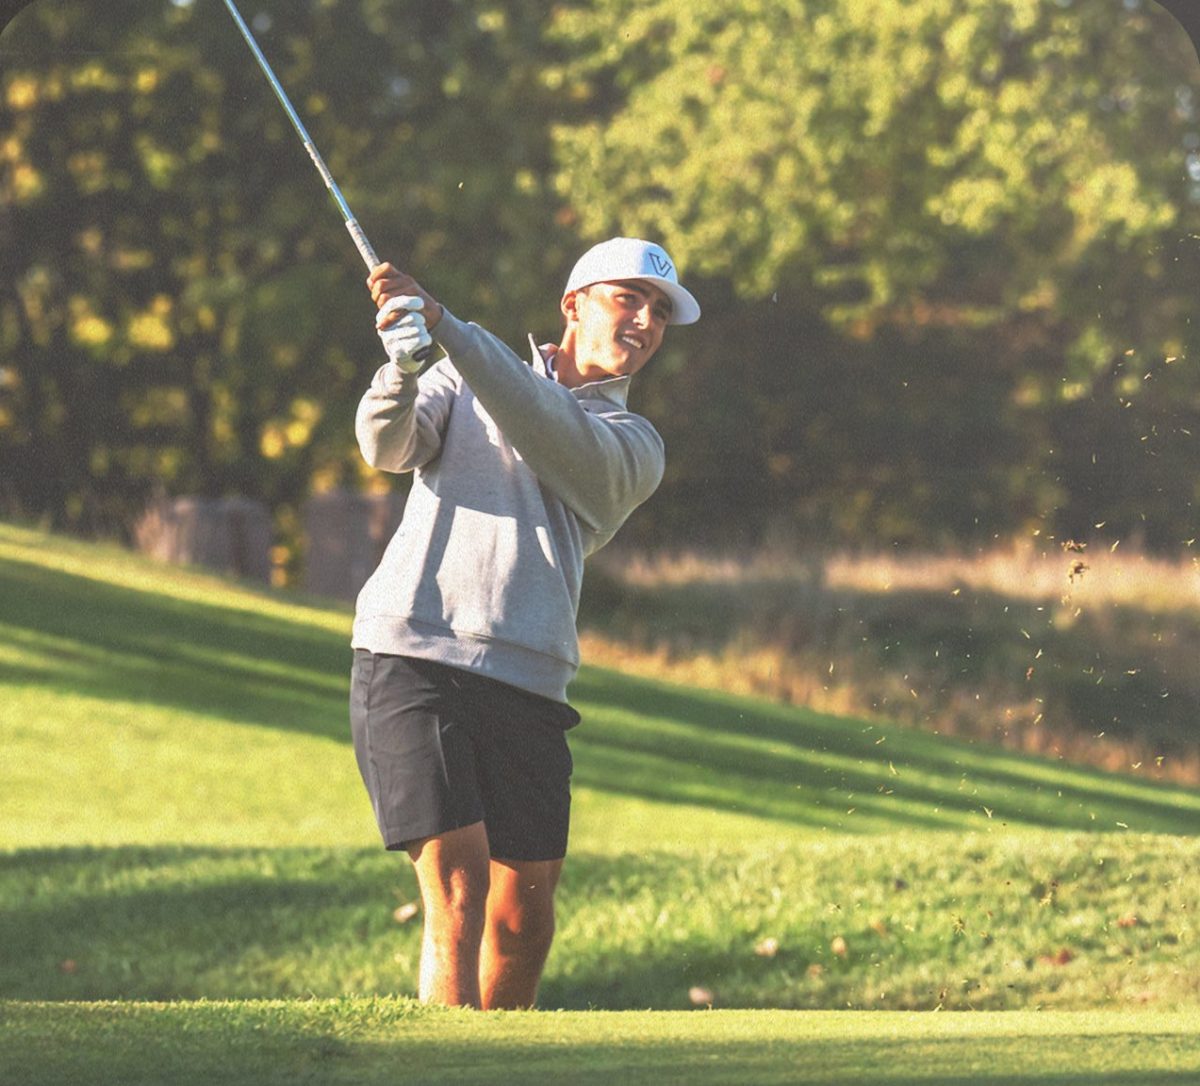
x=384, y=1041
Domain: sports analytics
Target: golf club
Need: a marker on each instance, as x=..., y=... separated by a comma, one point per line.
x=365, y=249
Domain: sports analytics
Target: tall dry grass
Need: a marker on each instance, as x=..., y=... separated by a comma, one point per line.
x=1088, y=653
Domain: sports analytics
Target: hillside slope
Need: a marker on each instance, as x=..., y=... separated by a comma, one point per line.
x=183, y=819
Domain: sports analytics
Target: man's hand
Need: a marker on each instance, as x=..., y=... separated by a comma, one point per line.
x=387, y=282
x=401, y=326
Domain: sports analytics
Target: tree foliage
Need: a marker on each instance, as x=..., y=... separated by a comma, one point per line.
x=971, y=214
x=182, y=309
x=946, y=248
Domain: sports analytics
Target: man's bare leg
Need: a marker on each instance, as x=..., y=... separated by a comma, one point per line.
x=518, y=931
x=453, y=873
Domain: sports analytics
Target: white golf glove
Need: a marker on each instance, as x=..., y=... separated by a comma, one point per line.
x=408, y=335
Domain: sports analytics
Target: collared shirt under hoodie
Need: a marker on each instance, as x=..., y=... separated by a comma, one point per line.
x=517, y=479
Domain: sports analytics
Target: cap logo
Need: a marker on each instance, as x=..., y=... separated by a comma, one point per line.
x=621, y=259
x=662, y=265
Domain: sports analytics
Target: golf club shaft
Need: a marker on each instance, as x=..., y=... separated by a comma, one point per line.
x=365, y=249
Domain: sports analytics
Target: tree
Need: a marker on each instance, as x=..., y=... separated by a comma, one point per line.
x=181, y=310
x=944, y=247
x=966, y=212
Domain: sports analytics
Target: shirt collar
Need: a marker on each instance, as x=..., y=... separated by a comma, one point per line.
x=613, y=389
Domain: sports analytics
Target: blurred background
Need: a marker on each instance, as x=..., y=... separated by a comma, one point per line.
x=932, y=450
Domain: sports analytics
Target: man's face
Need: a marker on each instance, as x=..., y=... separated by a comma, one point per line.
x=619, y=326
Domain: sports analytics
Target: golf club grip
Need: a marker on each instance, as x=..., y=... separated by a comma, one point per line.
x=367, y=251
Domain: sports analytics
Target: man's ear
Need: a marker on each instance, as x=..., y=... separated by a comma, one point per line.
x=570, y=306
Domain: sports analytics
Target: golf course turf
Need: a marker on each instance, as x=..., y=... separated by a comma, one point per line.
x=388, y=1040
x=191, y=889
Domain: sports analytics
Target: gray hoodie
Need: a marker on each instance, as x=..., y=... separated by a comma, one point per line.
x=518, y=479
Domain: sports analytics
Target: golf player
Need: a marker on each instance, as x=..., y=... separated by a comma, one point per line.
x=464, y=637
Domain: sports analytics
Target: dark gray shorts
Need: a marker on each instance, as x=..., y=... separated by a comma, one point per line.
x=440, y=748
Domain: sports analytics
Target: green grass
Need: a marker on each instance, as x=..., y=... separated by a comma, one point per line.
x=951, y=922
x=145, y=705
x=360, y=1042
x=183, y=821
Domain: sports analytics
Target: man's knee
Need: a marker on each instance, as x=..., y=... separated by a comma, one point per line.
x=454, y=877
x=522, y=928
x=458, y=906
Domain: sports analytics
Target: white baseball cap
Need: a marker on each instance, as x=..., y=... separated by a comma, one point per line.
x=632, y=258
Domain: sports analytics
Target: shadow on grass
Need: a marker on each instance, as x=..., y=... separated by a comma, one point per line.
x=106, y=641
x=173, y=923
x=640, y=739
x=663, y=742
x=185, y=923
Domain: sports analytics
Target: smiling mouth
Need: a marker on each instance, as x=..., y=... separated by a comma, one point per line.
x=632, y=341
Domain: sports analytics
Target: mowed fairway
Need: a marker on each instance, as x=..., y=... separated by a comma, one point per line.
x=367, y=1042
x=182, y=820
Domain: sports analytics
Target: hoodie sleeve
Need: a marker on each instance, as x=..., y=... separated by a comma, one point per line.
x=402, y=417
x=598, y=458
